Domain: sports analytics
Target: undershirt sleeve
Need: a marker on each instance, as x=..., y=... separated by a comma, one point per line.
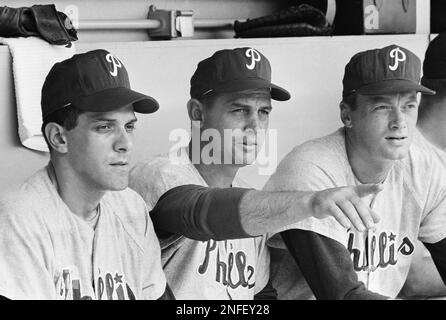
x=200, y=213
x=438, y=253
x=326, y=266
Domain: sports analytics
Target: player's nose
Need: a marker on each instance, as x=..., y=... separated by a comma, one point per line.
x=123, y=141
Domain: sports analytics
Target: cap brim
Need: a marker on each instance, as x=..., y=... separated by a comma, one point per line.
x=116, y=98
x=393, y=86
x=277, y=93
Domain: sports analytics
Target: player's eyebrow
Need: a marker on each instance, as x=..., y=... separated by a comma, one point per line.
x=238, y=105
x=110, y=120
x=375, y=99
x=241, y=105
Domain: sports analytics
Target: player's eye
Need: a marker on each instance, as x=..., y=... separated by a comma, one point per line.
x=382, y=107
x=240, y=111
x=103, y=128
x=130, y=127
x=264, y=114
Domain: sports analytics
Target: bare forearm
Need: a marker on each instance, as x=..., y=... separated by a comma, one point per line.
x=262, y=211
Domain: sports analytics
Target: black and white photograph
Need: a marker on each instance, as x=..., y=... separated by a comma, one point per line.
x=243, y=152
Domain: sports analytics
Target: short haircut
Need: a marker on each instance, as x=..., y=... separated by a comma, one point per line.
x=208, y=99
x=351, y=100
x=66, y=117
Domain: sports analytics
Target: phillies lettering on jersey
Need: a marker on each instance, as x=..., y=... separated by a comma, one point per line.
x=384, y=251
x=231, y=265
x=110, y=286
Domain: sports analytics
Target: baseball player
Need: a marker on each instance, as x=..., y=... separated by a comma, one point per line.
x=423, y=279
x=74, y=230
x=211, y=226
x=379, y=143
x=431, y=114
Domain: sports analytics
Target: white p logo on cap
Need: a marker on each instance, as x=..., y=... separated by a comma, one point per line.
x=116, y=64
x=399, y=56
x=255, y=57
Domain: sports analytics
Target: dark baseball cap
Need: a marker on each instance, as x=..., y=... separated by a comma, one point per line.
x=434, y=65
x=95, y=81
x=232, y=70
x=391, y=69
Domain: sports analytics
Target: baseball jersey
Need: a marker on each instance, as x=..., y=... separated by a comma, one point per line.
x=48, y=252
x=201, y=270
x=411, y=206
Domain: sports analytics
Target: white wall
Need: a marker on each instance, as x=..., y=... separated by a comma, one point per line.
x=310, y=68
x=423, y=16
x=138, y=9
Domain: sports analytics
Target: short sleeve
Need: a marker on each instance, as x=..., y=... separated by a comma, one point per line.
x=263, y=264
x=153, y=178
x=433, y=224
x=24, y=264
x=154, y=280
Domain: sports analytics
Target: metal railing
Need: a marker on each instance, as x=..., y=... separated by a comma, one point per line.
x=122, y=24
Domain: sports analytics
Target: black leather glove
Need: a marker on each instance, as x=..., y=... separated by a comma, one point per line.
x=39, y=20
x=303, y=20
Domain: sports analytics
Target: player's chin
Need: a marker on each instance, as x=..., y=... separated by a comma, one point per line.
x=245, y=158
x=117, y=183
x=399, y=154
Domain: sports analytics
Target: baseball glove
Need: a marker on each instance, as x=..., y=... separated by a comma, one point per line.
x=302, y=20
x=39, y=20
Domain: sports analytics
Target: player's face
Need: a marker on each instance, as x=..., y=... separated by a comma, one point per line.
x=99, y=149
x=383, y=126
x=245, y=118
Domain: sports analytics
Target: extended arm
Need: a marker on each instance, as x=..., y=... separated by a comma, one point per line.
x=204, y=213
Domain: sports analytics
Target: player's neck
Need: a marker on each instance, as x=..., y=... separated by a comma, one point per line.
x=216, y=175
x=367, y=172
x=220, y=176
x=365, y=168
x=82, y=199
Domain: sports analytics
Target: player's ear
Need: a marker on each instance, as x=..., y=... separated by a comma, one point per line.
x=195, y=110
x=56, y=137
x=346, y=114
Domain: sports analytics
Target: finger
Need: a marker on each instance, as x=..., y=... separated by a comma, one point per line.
x=375, y=216
x=350, y=212
x=340, y=216
x=364, y=190
x=364, y=213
